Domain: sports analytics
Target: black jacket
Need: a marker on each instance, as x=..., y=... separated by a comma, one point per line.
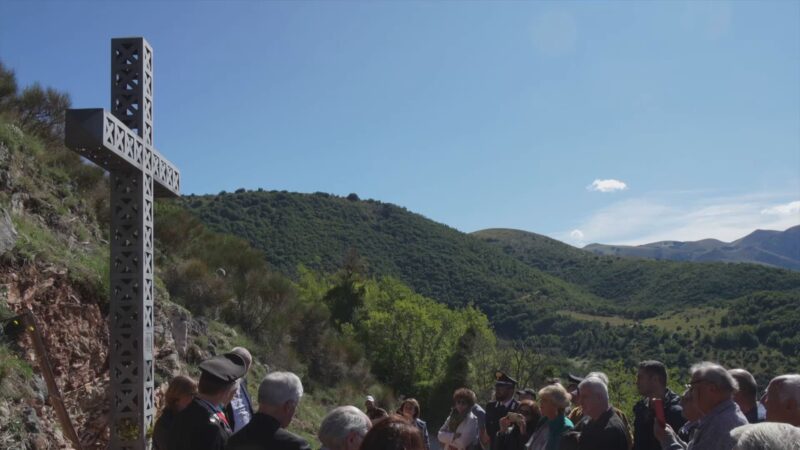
x=265, y=433
x=607, y=432
x=494, y=412
x=198, y=427
x=643, y=438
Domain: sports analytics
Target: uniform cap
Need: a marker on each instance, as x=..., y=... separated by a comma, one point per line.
x=225, y=368
x=501, y=379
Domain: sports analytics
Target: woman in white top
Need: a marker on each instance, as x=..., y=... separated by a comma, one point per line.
x=460, y=430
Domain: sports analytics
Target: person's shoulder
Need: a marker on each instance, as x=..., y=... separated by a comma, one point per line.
x=290, y=440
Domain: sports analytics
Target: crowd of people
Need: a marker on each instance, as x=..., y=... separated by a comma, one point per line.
x=719, y=410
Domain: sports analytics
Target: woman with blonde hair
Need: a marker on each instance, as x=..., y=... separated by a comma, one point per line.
x=460, y=430
x=555, y=430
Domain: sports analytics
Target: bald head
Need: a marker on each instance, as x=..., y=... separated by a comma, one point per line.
x=783, y=399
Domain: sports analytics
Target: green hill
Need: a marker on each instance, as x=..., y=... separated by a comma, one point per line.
x=317, y=230
x=556, y=298
x=638, y=287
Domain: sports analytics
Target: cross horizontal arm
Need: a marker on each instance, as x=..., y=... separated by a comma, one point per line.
x=107, y=142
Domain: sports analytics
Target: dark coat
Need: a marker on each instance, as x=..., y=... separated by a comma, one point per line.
x=643, y=438
x=494, y=412
x=423, y=429
x=607, y=432
x=161, y=430
x=265, y=433
x=198, y=427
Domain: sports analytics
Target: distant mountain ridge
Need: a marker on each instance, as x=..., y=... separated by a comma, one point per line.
x=767, y=247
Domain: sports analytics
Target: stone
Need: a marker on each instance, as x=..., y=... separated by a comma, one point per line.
x=8, y=234
x=18, y=200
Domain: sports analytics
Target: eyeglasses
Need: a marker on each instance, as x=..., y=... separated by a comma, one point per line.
x=526, y=412
x=694, y=382
x=462, y=402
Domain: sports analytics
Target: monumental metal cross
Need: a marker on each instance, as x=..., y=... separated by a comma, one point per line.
x=122, y=143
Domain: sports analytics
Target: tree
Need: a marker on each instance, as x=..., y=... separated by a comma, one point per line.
x=42, y=111
x=8, y=87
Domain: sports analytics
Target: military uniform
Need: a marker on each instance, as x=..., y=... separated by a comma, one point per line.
x=496, y=410
x=203, y=425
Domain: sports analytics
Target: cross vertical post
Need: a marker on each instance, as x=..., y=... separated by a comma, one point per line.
x=122, y=143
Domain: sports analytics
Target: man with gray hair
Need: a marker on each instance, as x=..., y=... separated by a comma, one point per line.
x=712, y=388
x=344, y=428
x=783, y=399
x=747, y=396
x=767, y=436
x=278, y=397
x=604, y=430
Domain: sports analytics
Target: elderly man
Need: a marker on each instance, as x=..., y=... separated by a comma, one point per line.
x=278, y=397
x=344, y=428
x=747, y=396
x=712, y=390
x=604, y=429
x=783, y=399
x=651, y=382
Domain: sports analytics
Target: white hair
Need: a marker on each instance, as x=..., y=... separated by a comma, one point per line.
x=716, y=375
x=596, y=385
x=556, y=394
x=788, y=387
x=766, y=436
x=339, y=423
x=277, y=388
x=601, y=375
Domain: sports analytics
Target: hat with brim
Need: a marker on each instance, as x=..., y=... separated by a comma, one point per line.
x=224, y=369
x=574, y=379
x=501, y=379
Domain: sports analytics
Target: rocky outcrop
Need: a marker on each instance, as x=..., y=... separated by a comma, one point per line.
x=75, y=333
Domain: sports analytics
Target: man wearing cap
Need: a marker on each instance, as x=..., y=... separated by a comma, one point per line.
x=503, y=403
x=203, y=424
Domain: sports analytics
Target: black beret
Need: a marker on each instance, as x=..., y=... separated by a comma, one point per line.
x=224, y=368
x=501, y=379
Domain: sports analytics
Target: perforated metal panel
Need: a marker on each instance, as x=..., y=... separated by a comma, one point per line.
x=122, y=143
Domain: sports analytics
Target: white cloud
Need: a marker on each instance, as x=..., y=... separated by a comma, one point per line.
x=609, y=185
x=577, y=235
x=686, y=217
x=786, y=209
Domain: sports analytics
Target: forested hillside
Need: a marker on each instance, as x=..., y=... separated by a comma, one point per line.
x=573, y=303
x=640, y=288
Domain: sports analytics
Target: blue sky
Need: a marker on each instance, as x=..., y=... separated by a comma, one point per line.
x=613, y=122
